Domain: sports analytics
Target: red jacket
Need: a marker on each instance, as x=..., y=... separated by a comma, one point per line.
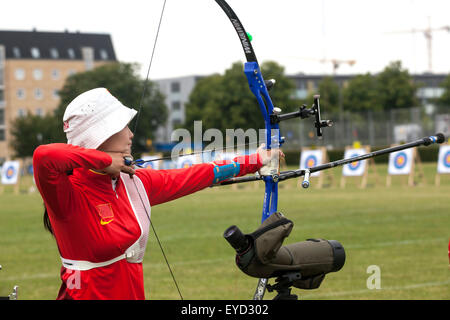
x=93, y=222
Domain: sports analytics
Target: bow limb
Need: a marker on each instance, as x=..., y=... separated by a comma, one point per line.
x=260, y=90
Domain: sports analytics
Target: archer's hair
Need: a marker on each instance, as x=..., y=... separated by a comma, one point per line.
x=46, y=220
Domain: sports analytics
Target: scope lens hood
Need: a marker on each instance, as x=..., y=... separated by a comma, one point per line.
x=338, y=255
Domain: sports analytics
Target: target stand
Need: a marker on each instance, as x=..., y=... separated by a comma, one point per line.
x=404, y=163
x=358, y=169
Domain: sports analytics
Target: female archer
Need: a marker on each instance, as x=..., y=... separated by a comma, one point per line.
x=98, y=208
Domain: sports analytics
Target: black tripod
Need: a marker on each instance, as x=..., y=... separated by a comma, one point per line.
x=283, y=286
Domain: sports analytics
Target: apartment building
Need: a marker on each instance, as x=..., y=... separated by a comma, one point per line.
x=34, y=66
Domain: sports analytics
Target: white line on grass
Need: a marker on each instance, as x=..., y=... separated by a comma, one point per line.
x=397, y=288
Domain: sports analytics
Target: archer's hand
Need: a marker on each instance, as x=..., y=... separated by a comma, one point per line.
x=118, y=165
x=270, y=160
x=268, y=156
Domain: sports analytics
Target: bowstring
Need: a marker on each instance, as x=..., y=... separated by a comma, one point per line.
x=159, y=242
x=144, y=91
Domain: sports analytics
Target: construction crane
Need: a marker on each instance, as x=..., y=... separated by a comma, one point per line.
x=335, y=62
x=428, y=33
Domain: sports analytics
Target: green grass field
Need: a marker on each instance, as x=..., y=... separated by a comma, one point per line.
x=403, y=230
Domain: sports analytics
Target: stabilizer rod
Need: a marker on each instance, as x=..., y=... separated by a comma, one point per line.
x=438, y=138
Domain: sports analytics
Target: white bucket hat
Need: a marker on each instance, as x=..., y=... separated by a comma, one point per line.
x=94, y=116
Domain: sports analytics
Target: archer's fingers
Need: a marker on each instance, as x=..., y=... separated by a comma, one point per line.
x=127, y=169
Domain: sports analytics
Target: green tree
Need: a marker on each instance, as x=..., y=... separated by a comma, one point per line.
x=395, y=88
x=29, y=132
x=329, y=95
x=361, y=94
x=444, y=100
x=122, y=80
x=225, y=101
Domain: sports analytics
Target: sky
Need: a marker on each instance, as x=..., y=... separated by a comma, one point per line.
x=196, y=37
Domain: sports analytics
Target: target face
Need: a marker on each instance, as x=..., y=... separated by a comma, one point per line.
x=447, y=159
x=151, y=164
x=187, y=161
x=356, y=168
x=148, y=165
x=354, y=165
x=186, y=164
x=311, y=161
x=10, y=172
x=400, y=160
x=311, y=158
x=444, y=159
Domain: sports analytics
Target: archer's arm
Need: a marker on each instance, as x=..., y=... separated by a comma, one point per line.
x=51, y=163
x=166, y=185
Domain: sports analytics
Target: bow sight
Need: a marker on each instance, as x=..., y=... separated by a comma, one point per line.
x=304, y=113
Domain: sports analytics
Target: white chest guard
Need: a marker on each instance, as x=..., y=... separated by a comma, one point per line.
x=140, y=205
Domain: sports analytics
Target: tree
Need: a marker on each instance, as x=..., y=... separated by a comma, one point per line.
x=31, y=131
x=361, y=94
x=395, y=88
x=444, y=100
x=225, y=101
x=122, y=81
x=329, y=94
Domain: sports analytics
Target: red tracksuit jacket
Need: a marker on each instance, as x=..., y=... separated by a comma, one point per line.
x=83, y=232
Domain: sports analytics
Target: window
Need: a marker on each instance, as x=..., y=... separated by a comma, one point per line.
x=2, y=55
x=54, y=54
x=176, y=105
x=37, y=74
x=21, y=112
x=2, y=96
x=20, y=93
x=55, y=74
x=71, y=53
x=88, y=57
x=71, y=72
x=39, y=112
x=175, y=87
x=2, y=117
x=19, y=73
x=2, y=134
x=55, y=94
x=176, y=122
x=35, y=53
x=16, y=52
x=103, y=54
x=38, y=93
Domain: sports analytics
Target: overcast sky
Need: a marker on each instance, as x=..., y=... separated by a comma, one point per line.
x=197, y=38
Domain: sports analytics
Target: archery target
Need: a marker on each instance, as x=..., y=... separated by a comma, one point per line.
x=356, y=168
x=152, y=164
x=400, y=162
x=311, y=158
x=186, y=161
x=444, y=159
x=10, y=172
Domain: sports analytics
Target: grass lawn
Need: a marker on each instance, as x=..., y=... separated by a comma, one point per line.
x=403, y=230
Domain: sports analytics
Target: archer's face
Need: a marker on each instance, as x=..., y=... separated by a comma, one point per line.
x=119, y=142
